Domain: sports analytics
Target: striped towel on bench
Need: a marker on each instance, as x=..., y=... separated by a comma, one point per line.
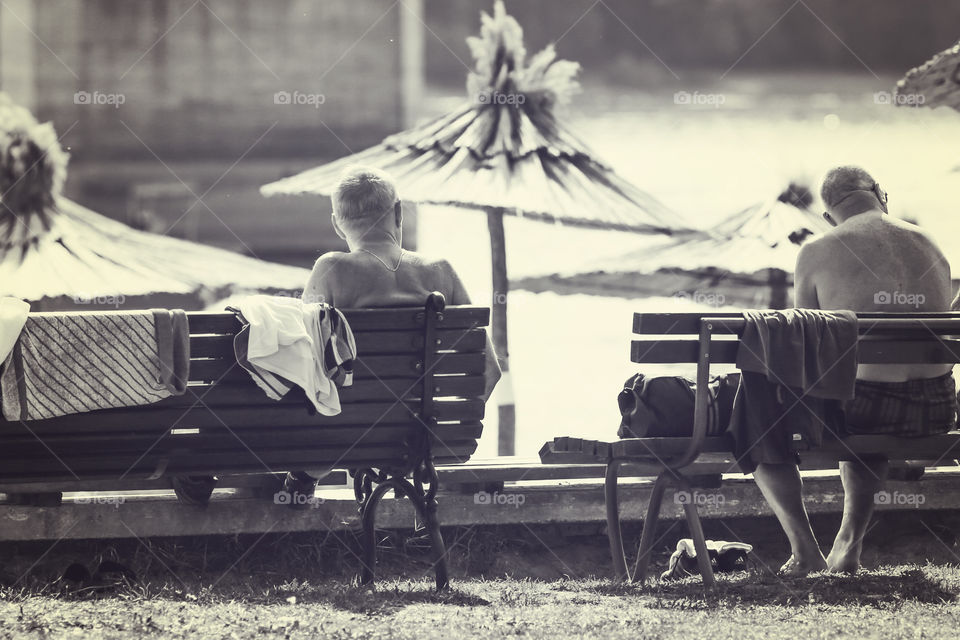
x=67, y=363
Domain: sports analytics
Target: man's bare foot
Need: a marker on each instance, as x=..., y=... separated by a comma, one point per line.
x=843, y=561
x=793, y=568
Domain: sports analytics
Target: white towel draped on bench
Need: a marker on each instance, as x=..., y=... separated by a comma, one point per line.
x=13, y=315
x=286, y=342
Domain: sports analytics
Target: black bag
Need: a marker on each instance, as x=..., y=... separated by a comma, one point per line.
x=662, y=406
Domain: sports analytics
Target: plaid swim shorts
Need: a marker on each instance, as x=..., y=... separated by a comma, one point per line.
x=913, y=408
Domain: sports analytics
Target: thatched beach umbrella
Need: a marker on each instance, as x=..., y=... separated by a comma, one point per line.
x=747, y=259
x=57, y=254
x=505, y=152
x=935, y=83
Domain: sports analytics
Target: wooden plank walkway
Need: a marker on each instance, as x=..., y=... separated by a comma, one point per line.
x=544, y=496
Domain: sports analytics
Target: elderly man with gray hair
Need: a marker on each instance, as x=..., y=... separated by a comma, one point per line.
x=377, y=271
x=870, y=261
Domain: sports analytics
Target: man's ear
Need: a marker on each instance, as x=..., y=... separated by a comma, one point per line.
x=881, y=196
x=398, y=212
x=336, y=227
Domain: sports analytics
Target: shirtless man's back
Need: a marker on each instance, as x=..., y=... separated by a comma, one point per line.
x=875, y=262
x=400, y=279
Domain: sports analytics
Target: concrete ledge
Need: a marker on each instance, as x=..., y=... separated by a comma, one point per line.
x=158, y=514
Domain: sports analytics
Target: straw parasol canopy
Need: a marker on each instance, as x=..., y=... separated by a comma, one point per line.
x=935, y=83
x=747, y=258
x=56, y=253
x=504, y=148
x=506, y=152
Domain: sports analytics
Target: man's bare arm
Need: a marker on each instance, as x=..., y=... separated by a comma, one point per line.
x=319, y=285
x=458, y=292
x=804, y=283
x=459, y=295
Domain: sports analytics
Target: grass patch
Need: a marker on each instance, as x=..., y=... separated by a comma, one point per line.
x=901, y=601
x=543, y=583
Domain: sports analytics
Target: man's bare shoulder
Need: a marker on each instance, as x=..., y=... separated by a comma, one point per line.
x=429, y=262
x=331, y=260
x=331, y=257
x=890, y=229
x=816, y=249
x=921, y=234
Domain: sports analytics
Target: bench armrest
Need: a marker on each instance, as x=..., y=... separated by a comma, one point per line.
x=702, y=402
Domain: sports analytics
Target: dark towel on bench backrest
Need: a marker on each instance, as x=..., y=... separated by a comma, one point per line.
x=796, y=368
x=807, y=349
x=77, y=362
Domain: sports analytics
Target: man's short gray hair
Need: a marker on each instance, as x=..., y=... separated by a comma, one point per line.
x=363, y=196
x=842, y=181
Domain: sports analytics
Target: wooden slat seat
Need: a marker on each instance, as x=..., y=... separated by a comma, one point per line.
x=416, y=400
x=706, y=339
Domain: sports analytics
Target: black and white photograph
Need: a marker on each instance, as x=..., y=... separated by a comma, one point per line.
x=627, y=319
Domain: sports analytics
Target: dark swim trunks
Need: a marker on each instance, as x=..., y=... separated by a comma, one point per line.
x=914, y=408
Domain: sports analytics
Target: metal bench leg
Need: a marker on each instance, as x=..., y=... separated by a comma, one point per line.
x=614, y=534
x=700, y=544
x=650, y=525
x=699, y=540
x=425, y=505
x=436, y=544
x=368, y=515
x=423, y=494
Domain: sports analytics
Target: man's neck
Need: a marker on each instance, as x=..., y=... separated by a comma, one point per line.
x=377, y=245
x=865, y=216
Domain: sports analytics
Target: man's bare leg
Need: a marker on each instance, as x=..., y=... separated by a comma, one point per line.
x=861, y=482
x=782, y=487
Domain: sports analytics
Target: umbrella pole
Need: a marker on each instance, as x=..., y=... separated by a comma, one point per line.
x=779, y=289
x=506, y=436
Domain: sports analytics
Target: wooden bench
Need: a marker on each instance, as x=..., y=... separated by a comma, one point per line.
x=698, y=461
x=416, y=401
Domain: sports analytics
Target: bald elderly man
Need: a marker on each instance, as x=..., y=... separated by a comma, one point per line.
x=870, y=261
x=377, y=271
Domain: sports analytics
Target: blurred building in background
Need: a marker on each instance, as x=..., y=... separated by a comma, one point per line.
x=178, y=109
x=165, y=101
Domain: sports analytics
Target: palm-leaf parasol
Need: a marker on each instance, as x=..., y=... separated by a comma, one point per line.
x=56, y=253
x=935, y=83
x=504, y=151
x=747, y=258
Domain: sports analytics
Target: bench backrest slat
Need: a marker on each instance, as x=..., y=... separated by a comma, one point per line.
x=379, y=342
x=366, y=367
x=689, y=323
x=885, y=338
x=668, y=351
x=240, y=417
x=359, y=319
x=365, y=390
